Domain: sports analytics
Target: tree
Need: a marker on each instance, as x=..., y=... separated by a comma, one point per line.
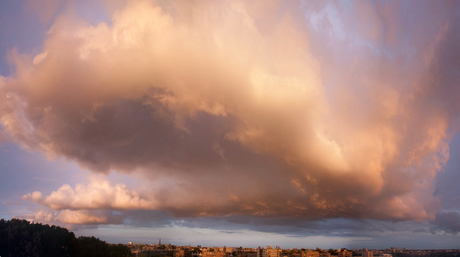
x=91, y=247
x=318, y=250
x=332, y=251
x=21, y=238
x=119, y=250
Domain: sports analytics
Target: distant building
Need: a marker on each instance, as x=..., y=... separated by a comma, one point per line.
x=310, y=254
x=273, y=252
x=220, y=254
x=261, y=252
x=367, y=253
x=345, y=253
x=179, y=253
x=213, y=252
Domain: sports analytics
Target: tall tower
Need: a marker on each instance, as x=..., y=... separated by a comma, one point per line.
x=159, y=243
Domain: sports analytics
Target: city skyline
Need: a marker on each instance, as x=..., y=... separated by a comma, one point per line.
x=330, y=124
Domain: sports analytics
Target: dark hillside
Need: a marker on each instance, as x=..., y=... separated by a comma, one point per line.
x=20, y=238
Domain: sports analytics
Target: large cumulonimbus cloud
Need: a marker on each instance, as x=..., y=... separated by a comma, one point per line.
x=273, y=110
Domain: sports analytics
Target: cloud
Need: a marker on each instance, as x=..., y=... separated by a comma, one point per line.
x=446, y=186
x=11, y=203
x=34, y=197
x=447, y=221
x=45, y=10
x=75, y=219
x=245, y=108
x=88, y=217
x=96, y=195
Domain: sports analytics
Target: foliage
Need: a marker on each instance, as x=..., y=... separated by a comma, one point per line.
x=332, y=251
x=119, y=250
x=318, y=250
x=22, y=238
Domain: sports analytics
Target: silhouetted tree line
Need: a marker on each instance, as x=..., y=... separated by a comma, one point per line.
x=21, y=238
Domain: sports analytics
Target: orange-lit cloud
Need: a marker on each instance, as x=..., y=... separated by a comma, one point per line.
x=240, y=109
x=70, y=218
x=96, y=195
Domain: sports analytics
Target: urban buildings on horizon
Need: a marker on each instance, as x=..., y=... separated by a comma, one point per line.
x=169, y=250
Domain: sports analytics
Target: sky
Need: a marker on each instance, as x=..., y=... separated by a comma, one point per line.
x=241, y=123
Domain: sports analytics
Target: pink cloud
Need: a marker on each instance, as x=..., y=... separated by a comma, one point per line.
x=242, y=117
